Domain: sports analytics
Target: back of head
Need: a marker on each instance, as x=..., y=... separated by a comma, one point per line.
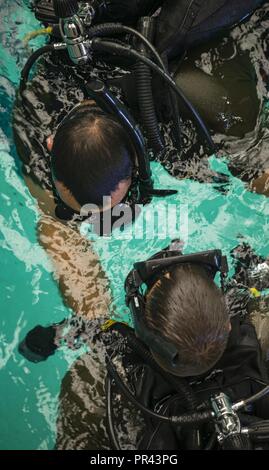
x=188, y=309
x=91, y=154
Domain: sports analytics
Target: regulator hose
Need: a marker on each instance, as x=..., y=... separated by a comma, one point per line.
x=191, y=419
x=261, y=394
x=100, y=45
x=33, y=58
x=102, y=30
x=181, y=385
x=237, y=442
x=259, y=431
x=146, y=103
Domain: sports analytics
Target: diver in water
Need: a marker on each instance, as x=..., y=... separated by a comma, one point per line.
x=195, y=333
x=192, y=341
x=216, y=76
x=75, y=155
x=226, y=98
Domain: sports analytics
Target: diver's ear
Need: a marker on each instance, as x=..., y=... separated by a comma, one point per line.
x=49, y=142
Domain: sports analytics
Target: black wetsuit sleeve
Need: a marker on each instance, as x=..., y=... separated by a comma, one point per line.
x=30, y=142
x=49, y=96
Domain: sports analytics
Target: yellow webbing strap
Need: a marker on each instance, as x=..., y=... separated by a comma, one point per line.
x=255, y=292
x=38, y=32
x=110, y=323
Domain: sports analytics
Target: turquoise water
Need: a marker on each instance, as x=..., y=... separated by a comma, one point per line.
x=27, y=291
x=29, y=295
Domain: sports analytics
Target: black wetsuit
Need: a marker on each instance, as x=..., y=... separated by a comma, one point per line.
x=241, y=372
x=228, y=103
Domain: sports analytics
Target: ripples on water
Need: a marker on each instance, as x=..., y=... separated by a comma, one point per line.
x=28, y=292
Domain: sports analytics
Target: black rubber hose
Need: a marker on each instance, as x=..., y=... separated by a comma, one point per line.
x=181, y=386
x=102, y=30
x=190, y=419
x=237, y=442
x=259, y=426
x=109, y=413
x=116, y=49
x=212, y=442
x=146, y=106
x=147, y=112
x=248, y=401
x=145, y=97
x=259, y=431
x=30, y=62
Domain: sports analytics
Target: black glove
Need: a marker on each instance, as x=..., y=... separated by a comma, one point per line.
x=39, y=343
